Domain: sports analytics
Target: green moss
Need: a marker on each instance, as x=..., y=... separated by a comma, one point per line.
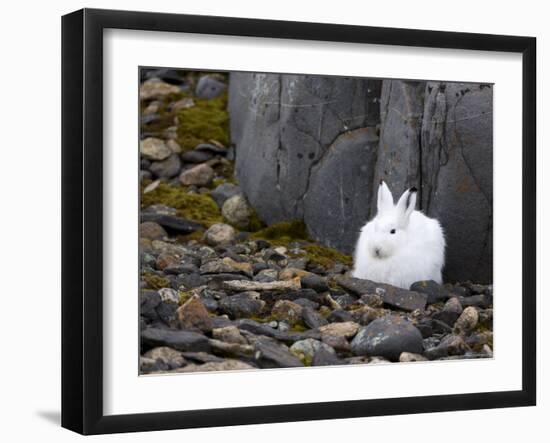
x=326, y=257
x=197, y=207
x=255, y=223
x=184, y=296
x=155, y=281
x=207, y=120
x=284, y=232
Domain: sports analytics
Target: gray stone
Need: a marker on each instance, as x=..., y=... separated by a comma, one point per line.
x=237, y=211
x=219, y=234
x=200, y=175
x=194, y=156
x=392, y=295
x=170, y=357
x=387, y=337
x=467, y=321
x=208, y=87
x=315, y=282
x=270, y=354
x=451, y=345
x=167, y=168
x=224, y=192
x=154, y=149
x=245, y=304
x=433, y=290
x=450, y=312
x=171, y=223
x=312, y=318
x=179, y=340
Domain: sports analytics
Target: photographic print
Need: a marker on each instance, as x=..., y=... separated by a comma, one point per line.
x=293, y=221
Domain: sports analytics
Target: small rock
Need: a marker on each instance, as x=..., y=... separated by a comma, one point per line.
x=433, y=290
x=219, y=234
x=200, y=175
x=306, y=349
x=450, y=312
x=152, y=231
x=144, y=175
x=345, y=329
x=154, y=149
x=467, y=321
x=156, y=88
x=480, y=300
x=171, y=223
x=148, y=365
x=165, y=259
x=184, y=103
x=312, y=318
x=174, y=146
x=449, y=346
x=237, y=211
x=245, y=304
x=388, y=337
x=270, y=354
x=226, y=265
x=345, y=300
x=339, y=316
x=208, y=87
x=229, y=334
x=166, y=168
x=285, y=310
x=266, y=275
x=193, y=314
x=232, y=349
x=169, y=295
x=170, y=357
x=373, y=300
x=315, y=282
x=326, y=357
x=407, y=357
x=260, y=286
x=290, y=273
x=179, y=340
x=225, y=365
x=196, y=156
x=339, y=343
x=224, y=192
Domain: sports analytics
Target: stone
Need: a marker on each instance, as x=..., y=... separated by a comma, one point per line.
x=174, y=146
x=392, y=295
x=312, y=318
x=324, y=357
x=154, y=149
x=229, y=334
x=148, y=302
x=289, y=273
x=219, y=234
x=479, y=300
x=270, y=354
x=286, y=310
x=200, y=175
x=224, y=192
x=266, y=275
x=179, y=340
x=237, y=350
x=194, y=315
x=226, y=265
x=152, y=231
x=194, y=156
x=467, y=321
x=167, y=168
x=237, y=285
x=450, y=345
x=372, y=300
x=169, y=295
x=170, y=357
x=171, y=223
x=225, y=365
x=450, y=312
x=144, y=175
x=208, y=87
x=433, y=290
x=306, y=349
x=237, y=211
x=156, y=88
x=339, y=316
x=315, y=282
x=244, y=304
x=408, y=357
x=148, y=365
x=184, y=103
x=387, y=337
x=345, y=329
x=166, y=259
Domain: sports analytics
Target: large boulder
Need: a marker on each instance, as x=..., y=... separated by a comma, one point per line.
x=314, y=148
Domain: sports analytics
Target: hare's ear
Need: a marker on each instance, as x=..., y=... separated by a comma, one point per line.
x=407, y=203
x=385, y=199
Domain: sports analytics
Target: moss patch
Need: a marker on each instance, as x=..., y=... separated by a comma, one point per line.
x=207, y=120
x=326, y=257
x=197, y=207
x=155, y=281
x=284, y=232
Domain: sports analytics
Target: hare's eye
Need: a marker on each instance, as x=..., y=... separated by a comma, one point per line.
x=392, y=231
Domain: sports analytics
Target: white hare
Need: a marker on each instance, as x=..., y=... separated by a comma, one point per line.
x=400, y=245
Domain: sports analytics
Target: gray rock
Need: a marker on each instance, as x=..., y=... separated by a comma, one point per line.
x=173, y=224
x=151, y=230
x=450, y=312
x=208, y=87
x=170, y=357
x=315, y=282
x=392, y=295
x=179, y=340
x=433, y=290
x=451, y=345
x=148, y=365
x=245, y=304
x=224, y=192
x=237, y=211
x=200, y=175
x=306, y=349
x=270, y=354
x=467, y=321
x=312, y=318
x=166, y=168
x=324, y=357
x=154, y=149
x=261, y=286
x=194, y=156
x=387, y=337
x=219, y=234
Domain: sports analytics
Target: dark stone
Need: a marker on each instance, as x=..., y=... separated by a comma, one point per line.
x=392, y=295
x=339, y=316
x=425, y=327
x=189, y=281
x=479, y=300
x=450, y=312
x=177, y=339
x=262, y=244
x=171, y=223
x=167, y=312
x=148, y=302
x=304, y=302
x=270, y=354
x=433, y=290
x=209, y=147
x=450, y=345
x=215, y=281
x=244, y=304
x=224, y=192
x=387, y=337
x=202, y=357
x=440, y=327
x=345, y=300
x=194, y=156
x=312, y=281
x=322, y=357
x=312, y=318
x=166, y=168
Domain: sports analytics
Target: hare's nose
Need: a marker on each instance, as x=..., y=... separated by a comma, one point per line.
x=377, y=252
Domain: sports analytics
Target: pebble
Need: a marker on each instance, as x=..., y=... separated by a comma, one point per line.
x=154, y=149
x=200, y=175
x=219, y=234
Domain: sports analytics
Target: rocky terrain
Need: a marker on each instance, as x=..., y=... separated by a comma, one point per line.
x=221, y=290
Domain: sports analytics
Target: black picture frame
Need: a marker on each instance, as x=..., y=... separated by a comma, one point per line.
x=82, y=218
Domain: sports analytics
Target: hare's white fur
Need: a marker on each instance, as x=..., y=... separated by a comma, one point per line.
x=400, y=245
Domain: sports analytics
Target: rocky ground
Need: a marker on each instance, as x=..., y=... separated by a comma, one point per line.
x=219, y=290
